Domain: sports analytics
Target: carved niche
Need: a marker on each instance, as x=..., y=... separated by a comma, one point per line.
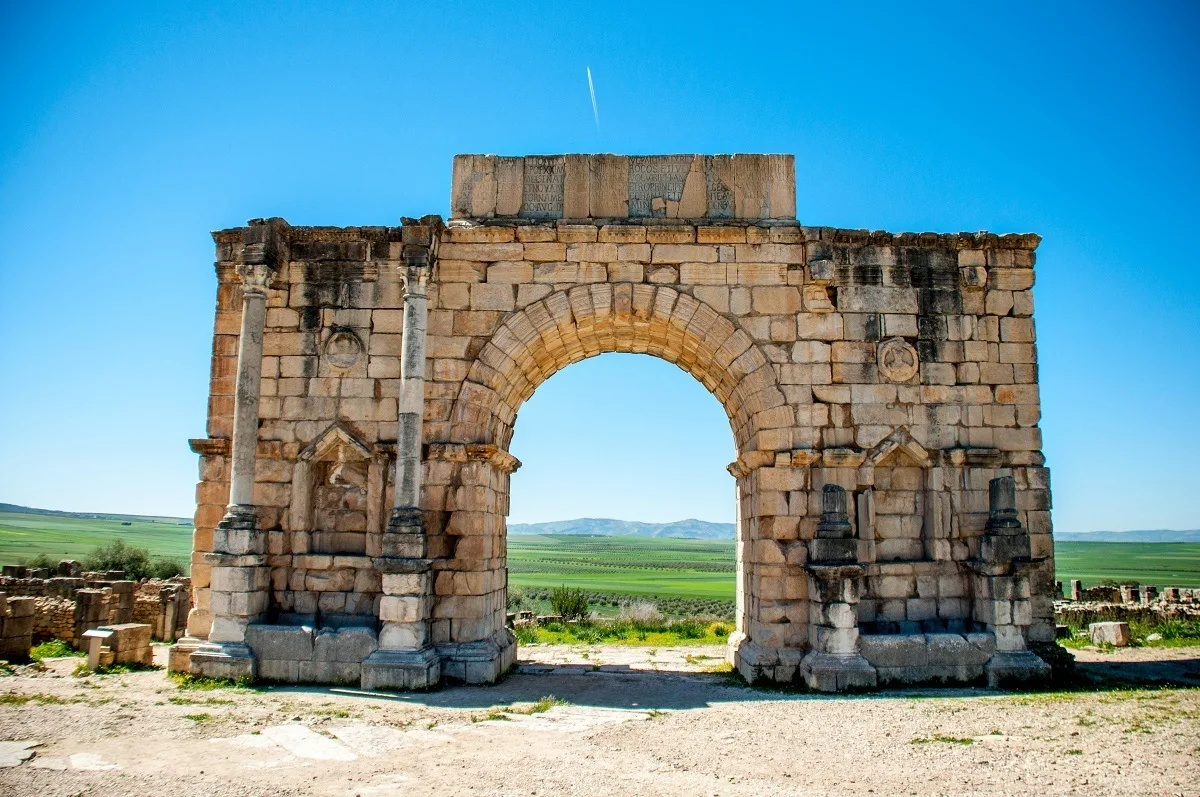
x=337, y=494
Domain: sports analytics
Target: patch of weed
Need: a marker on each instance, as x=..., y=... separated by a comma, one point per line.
x=963, y=740
x=188, y=681
x=543, y=705
x=20, y=699
x=54, y=649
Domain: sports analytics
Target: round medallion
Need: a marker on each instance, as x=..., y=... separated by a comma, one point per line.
x=343, y=349
x=898, y=360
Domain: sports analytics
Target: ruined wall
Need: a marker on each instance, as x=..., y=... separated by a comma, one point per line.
x=899, y=367
x=330, y=366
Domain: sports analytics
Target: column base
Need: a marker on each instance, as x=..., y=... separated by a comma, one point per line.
x=181, y=651
x=759, y=665
x=482, y=662
x=402, y=669
x=231, y=660
x=1016, y=669
x=828, y=673
x=239, y=516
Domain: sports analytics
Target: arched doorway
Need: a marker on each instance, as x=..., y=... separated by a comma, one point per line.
x=530, y=346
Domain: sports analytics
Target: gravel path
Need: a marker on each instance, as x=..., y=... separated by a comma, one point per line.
x=637, y=723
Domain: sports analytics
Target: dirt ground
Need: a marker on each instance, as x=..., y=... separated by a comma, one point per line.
x=633, y=721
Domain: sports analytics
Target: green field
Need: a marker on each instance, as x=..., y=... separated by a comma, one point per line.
x=26, y=534
x=669, y=568
x=623, y=565
x=1164, y=564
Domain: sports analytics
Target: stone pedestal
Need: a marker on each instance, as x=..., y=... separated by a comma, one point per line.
x=482, y=662
x=1016, y=668
x=1003, y=592
x=834, y=663
x=405, y=659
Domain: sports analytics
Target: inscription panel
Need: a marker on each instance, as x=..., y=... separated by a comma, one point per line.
x=543, y=189
x=624, y=186
x=652, y=178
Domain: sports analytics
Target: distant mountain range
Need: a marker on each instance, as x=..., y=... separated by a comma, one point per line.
x=1150, y=535
x=690, y=529
x=703, y=530
x=29, y=510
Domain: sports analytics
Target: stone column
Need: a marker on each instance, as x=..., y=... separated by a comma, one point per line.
x=835, y=584
x=240, y=579
x=255, y=279
x=406, y=508
x=405, y=658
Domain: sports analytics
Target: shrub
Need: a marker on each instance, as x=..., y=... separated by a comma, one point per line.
x=569, y=602
x=42, y=560
x=516, y=599
x=166, y=568
x=119, y=555
x=641, y=612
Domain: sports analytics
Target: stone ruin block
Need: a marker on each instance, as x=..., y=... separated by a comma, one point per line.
x=1111, y=633
x=16, y=627
x=130, y=643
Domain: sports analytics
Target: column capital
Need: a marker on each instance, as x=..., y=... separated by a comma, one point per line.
x=256, y=278
x=416, y=275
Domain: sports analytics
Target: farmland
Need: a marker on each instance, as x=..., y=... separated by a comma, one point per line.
x=624, y=565
x=1165, y=564
x=666, y=568
x=68, y=536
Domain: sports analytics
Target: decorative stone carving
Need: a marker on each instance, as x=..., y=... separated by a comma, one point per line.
x=343, y=349
x=898, y=360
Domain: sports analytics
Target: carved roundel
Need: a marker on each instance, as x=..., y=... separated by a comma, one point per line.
x=343, y=349
x=898, y=360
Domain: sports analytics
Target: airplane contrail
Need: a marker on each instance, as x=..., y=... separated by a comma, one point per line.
x=592, y=91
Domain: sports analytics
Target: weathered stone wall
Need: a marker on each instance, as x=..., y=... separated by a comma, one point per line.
x=66, y=606
x=899, y=367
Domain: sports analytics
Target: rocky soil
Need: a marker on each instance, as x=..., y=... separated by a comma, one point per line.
x=635, y=721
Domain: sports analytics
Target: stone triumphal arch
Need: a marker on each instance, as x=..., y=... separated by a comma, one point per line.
x=893, y=518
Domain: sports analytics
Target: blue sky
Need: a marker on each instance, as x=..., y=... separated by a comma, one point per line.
x=128, y=132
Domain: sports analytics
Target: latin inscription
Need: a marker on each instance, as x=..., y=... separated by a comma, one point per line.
x=542, y=197
x=719, y=196
x=655, y=178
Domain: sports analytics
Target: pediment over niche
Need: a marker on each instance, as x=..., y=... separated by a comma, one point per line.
x=341, y=458
x=899, y=449
x=335, y=443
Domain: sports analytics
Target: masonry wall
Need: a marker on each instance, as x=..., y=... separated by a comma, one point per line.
x=900, y=367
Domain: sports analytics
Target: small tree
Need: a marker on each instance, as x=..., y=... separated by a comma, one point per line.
x=119, y=555
x=166, y=568
x=41, y=561
x=516, y=599
x=569, y=602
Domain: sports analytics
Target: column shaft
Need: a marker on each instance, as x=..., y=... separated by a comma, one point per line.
x=412, y=394
x=249, y=376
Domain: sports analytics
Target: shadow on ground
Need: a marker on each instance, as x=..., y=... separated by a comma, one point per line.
x=634, y=689
x=1173, y=672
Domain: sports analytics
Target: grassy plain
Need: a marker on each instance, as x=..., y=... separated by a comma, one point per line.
x=1164, y=564
x=624, y=565
x=27, y=534
x=667, y=568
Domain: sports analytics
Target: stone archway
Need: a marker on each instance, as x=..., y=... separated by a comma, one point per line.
x=893, y=504
x=530, y=346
